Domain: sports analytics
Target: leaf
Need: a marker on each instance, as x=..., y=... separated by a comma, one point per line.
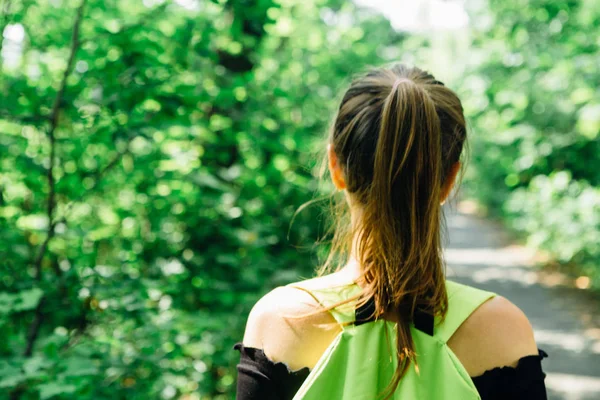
x=34, y=222
x=589, y=121
x=205, y=179
x=49, y=390
x=80, y=367
x=22, y=301
x=7, y=301
x=12, y=380
x=29, y=299
x=33, y=365
x=10, y=375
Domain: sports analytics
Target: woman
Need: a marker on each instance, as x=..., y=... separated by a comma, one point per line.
x=394, y=150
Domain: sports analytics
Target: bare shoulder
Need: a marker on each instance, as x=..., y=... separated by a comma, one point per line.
x=497, y=334
x=289, y=326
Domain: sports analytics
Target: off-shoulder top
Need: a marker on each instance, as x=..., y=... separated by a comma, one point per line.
x=261, y=379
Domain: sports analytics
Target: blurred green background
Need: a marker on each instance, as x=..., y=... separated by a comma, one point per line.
x=153, y=153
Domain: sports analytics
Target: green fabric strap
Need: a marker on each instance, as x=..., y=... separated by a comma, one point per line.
x=344, y=313
x=462, y=301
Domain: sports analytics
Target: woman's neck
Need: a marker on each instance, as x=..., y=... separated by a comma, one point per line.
x=352, y=269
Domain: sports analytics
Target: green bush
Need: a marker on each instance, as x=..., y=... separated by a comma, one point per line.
x=152, y=157
x=531, y=93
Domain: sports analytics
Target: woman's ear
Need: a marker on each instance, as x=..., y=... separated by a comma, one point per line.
x=449, y=183
x=335, y=170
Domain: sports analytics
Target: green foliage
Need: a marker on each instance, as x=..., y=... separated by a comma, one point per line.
x=531, y=93
x=152, y=156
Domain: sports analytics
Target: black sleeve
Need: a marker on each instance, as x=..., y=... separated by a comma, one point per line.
x=261, y=379
x=525, y=381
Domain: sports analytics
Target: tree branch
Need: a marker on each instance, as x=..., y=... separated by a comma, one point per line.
x=38, y=317
x=34, y=328
x=54, y=117
x=51, y=204
x=63, y=84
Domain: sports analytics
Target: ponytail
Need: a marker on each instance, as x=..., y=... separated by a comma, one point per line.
x=392, y=135
x=402, y=215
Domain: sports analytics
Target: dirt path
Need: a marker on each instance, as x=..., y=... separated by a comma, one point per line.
x=480, y=253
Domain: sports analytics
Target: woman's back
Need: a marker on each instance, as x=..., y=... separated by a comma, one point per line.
x=482, y=331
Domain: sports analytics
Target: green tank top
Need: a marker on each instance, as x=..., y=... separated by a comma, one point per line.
x=360, y=362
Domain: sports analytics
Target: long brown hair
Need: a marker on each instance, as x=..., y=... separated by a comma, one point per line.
x=397, y=133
